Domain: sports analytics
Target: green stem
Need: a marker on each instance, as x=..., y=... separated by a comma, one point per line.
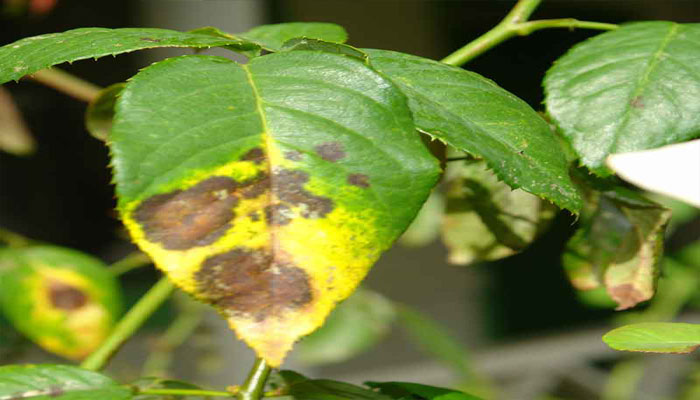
x=128, y=325
x=67, y=83
x=185, y=392
x=253, y=387
x=514, y=24
x=134, y=260
x=13, y=239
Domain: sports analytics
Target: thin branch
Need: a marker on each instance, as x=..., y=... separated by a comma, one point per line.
x=253, y=387
x=67, y=84
x=185, y=392
x=134, y=260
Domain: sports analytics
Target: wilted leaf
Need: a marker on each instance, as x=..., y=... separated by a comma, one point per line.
x=486, y=219
x=474, y=115
x=357, y=324
x=630, y=89
x=426, y=227
x=15, y=137
x=64, y=300
x=267, y=189
x=415, y=391
x=655, y=337
x=618, y=245
x=100, y=112
x=272, y=37
x=29, y=55
x=61, y=382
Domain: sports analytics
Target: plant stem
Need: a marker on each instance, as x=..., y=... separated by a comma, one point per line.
x=253, y=387
x=128, y=325
x=134, y=260
x=67, y=83
x=185, y=392
x=13, y=239
x=516, y=23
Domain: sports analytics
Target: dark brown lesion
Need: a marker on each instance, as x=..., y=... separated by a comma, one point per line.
x=66, y=297
x=360, y=180
x=331, y=151
x=251, y=283
x=256, y=155
x=278, y=214
x=289, y=188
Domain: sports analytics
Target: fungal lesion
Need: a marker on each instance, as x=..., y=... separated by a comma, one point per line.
x=66, y=297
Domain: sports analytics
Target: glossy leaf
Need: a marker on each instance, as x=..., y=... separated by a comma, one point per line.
x=474, y=115
x=425, y=229
x=486, y=219
x=619, y=245
x=630, y=89
x=356, y=325
x=64, y=300
x=100, y=112
x=321, y=45
x=273, y=200
x=655, y=337
x=29, y=55
x=57, y=382
x=15, y=137
x=272, y=37
x=415, y=391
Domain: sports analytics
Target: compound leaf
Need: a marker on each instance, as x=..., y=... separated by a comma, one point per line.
x=29, y=55
x=61, y=382
x=474, y=115
x=655, y=337
x=267, y=189
x=630, y=89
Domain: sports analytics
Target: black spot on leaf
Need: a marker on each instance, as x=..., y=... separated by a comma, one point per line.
x=255, y=155
x=360, y=180
x=289, y=188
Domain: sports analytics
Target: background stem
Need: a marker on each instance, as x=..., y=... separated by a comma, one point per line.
x=185, y=392
x=134, y=260
x=128, y=325
x=253, y=387
x=67, y=84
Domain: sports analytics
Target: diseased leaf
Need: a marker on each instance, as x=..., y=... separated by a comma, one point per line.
x=485, y=219
x=425, y=229
x=64, y=300
x=618, y=245
x=29, y=55
x=57, y=382
x=100, y=112
x=630, y=89
x=272, y=37
x=15, y=137
x=356, y=325
x=474, y=115
x=655, y=337
x=267, y=189
x=415, y=391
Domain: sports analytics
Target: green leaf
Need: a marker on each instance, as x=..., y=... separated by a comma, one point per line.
x=15, y=137
x=474, y=115
x=62, y=382
x=436, y=341
x=406, y=391
x=485, y=219
x=655, y=337
x=150, y=383
x=328, y=47
x=303, y=163
x=356, y=325
x=298, y=387
x=65, y=301
x=630, y=89
x=618, y=245
x=272, y=37
x=425, y=229
x=29, y=55
x=100, y=112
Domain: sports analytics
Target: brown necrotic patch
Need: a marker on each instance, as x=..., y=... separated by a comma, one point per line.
x=331, y=151
x=255, y=155
x=293, y=155
x=278, y=214
x=66, y=297
x=289, y=188
x=251, y=283
x=360, y=180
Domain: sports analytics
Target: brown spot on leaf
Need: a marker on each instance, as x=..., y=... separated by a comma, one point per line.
x=152, y=40
x=66, y=297
x=293, y=155
x=251, y=283
x=257, y=186
x=56, y=391
x=289, y=187
x=626, y=296
x=254, y=216
x=331, y=151
x=277, y=214
x=360, y=180
x=255, y=155
x=637, y=102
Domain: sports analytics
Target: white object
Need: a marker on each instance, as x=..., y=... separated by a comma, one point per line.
x=672, y=170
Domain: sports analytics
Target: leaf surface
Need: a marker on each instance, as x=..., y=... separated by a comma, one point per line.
x=57, y=382
x=474, y=115
x=65, y=301
x=100, y=112
x=630, y=89
x=267, y=189
x=408, y=390
x=655, y=337
x=272, y=37
x=299, y=387
x=29, y=55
